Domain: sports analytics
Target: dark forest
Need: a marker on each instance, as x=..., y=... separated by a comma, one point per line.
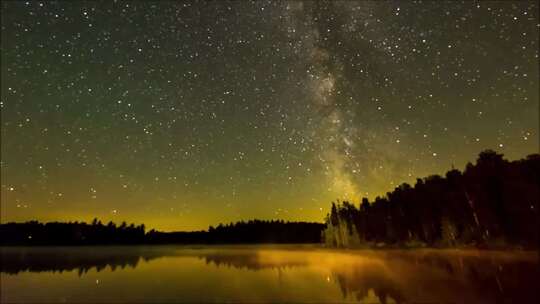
x=492, y=203
x=96, y=233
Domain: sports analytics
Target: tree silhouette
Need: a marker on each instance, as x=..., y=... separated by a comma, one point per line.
x=253, y=231
x=494, y=202
x=72, y=233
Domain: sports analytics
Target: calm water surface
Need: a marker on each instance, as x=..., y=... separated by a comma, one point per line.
x=175, y=274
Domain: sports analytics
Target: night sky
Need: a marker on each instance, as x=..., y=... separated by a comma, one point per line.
x=184, y=115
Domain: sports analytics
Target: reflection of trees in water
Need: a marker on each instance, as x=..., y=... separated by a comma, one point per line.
x=80, y=259
x=357, y=283
x=248, y=260
x=409, y=276
x=401, y=276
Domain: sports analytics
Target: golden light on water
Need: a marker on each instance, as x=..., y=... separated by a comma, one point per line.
x=265, y=274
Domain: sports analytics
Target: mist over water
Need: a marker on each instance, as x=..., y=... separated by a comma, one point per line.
x=167, y=274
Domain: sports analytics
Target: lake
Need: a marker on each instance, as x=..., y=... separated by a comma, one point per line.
x=255, y=274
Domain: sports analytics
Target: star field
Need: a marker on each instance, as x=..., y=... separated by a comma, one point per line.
x=184, y=115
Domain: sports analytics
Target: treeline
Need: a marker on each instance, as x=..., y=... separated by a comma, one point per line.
x=71, y=233
x=253, y=231
x=13, y=261
x=80, y=233
x=492, y=203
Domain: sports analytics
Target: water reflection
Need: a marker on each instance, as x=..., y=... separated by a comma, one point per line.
x=81, y=259
x=366, y=276
x=417, y=276
x=252, y=260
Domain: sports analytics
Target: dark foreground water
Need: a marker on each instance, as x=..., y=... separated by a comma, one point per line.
x=255, y=274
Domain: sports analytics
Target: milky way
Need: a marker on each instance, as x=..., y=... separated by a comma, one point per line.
x=184, y=115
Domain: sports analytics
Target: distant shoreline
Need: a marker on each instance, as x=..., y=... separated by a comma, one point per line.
x=285, y=246
x=34, y=233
